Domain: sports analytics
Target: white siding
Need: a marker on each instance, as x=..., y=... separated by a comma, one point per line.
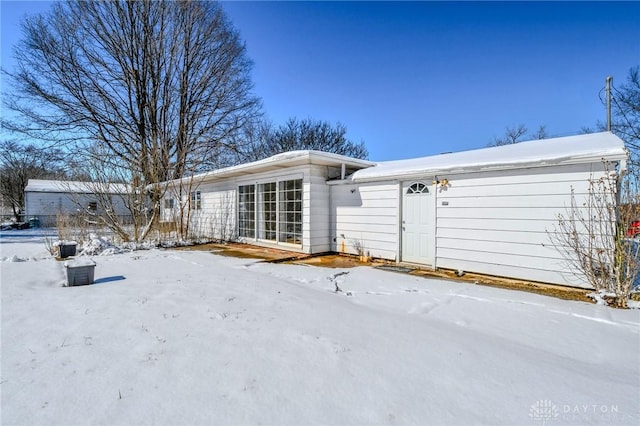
x=366, y=214
x=217, y=217
x=498, y=222
x=316, y=199
x=47, y=205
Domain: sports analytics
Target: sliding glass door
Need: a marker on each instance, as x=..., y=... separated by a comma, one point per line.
x=271, y=211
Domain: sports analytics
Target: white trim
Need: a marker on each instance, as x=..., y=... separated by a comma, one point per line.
x=267, y=242
x=569, y=150
x=271, y=178
x=279, y=161
x=431, y=210
x=399, y=224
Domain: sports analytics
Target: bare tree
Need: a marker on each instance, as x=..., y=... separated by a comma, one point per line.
x=517, y=134
x=511, y=135
x=18, y=164
x=540, y=133
x=265, y=140
x=250, y=144
x=596, y=234
x=146, y=90
x=626, y=117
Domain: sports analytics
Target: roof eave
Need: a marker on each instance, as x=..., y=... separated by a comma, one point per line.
x=276, y=163
x=591, y=158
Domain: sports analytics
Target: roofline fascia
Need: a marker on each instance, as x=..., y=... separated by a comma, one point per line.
x=248, y=168
x=491, y=168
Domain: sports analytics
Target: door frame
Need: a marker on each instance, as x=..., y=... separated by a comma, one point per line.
x=431, y=261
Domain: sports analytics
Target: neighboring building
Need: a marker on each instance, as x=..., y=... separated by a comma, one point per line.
x=486, y=211
x=6, y=212
x=46, y=199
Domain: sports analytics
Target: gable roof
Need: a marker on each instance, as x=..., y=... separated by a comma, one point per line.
x=555, y=151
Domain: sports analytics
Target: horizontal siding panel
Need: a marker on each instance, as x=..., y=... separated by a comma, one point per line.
x=510, y=213
x=495, y=235
x=382, y=194
x=377, y=252
x=350, y=235
x=364, y=192
x=367, y=224
x=370, y=211
x=493, y=247
x=371, y=247
x=366, y=227
x=513, y=189
x=504, y=259
x=369, y=220
x=556, y=202
x=540, y=225
x=383, y=254
x=366, y=204
x=558, y=276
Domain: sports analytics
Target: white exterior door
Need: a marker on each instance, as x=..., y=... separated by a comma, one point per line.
x=417, y=223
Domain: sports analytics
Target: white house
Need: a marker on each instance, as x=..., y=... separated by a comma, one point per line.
x=486, y=210
x=46, y=199
x=282, y=201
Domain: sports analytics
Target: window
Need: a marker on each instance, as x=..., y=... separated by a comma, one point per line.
x=93, y=206
x=290, y=212
x=168, y=203
x=247, y=211
x=267, y=211
x=271, y=211
x=418, y=188
x=196, y=201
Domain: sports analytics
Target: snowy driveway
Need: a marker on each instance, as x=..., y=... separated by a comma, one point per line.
x=169, y=337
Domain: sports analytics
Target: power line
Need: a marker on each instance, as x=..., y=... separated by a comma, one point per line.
x=600, y=95
x=624, y=115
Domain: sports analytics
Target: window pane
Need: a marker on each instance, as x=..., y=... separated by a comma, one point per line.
x=246, y=211
x=418, y=188
x=195, y=200
x=290, y=214
x=267, y=211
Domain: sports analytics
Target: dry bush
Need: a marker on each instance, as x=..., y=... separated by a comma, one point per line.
x=596, y=239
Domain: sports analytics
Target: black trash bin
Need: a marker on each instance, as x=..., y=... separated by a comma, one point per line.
x=67, y=249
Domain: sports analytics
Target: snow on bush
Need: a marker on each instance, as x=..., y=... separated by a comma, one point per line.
x=99, y=246
x=102, y=246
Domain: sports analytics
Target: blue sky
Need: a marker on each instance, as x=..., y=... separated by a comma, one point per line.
x=419, y=78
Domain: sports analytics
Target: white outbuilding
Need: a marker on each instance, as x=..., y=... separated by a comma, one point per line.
x=488, y=210
x=46, y=199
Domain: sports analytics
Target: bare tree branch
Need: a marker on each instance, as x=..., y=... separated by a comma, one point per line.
x=143, y=86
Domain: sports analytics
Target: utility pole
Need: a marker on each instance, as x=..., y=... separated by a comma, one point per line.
x=608, y=90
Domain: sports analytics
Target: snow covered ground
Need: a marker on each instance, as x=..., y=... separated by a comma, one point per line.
x=177, y=337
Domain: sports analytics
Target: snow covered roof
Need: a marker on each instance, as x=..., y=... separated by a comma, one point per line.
x=285, y=159
x=39, y=185
x=554, y=151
